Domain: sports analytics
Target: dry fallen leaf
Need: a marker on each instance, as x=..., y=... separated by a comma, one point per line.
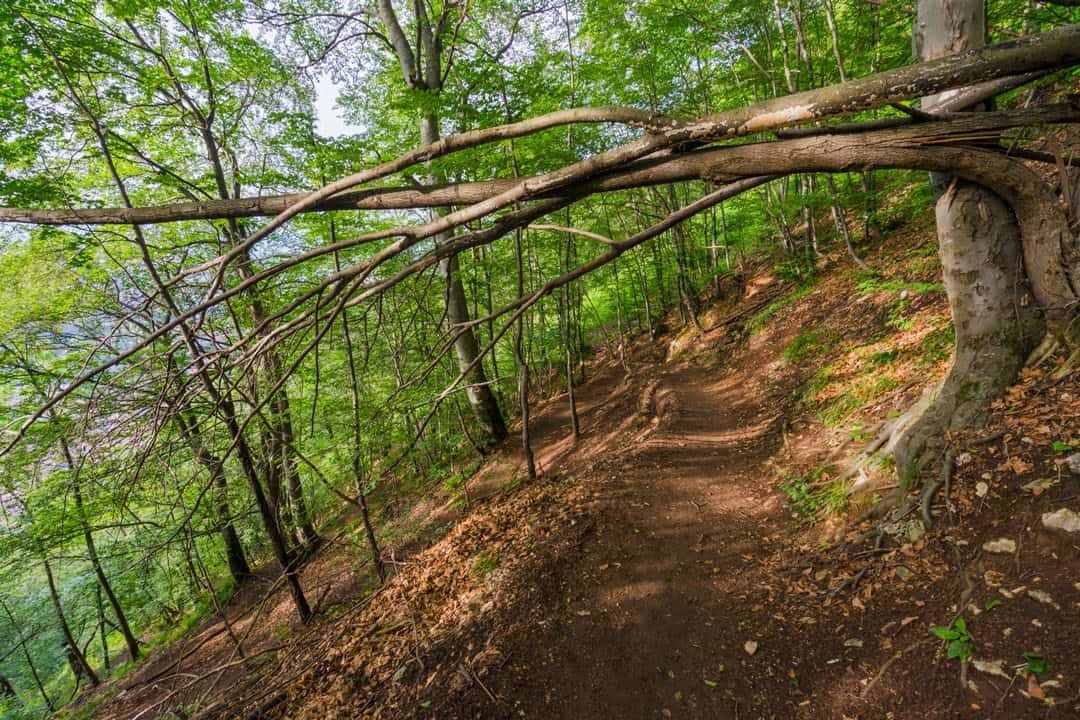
x=991, y=667
x=750, y=647
x=1033, y=688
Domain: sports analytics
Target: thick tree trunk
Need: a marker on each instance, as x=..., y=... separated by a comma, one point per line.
x=979, y=247
x=980, y=255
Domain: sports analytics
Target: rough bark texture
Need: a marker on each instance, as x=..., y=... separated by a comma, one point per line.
x=995, y=328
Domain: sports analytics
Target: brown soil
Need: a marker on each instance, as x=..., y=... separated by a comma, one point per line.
x=655, y=570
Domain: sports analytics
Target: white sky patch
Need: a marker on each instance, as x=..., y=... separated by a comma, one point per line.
x=329, y=118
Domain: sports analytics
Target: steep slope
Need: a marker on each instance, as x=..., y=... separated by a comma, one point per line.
x=664, y=565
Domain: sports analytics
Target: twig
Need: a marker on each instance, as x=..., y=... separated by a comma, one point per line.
x=470, y=674
x=888, y=664
x=1001, y=700
x=853, y=582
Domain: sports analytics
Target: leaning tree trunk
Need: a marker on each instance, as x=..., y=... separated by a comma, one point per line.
x=76, y=658
x=981, y=258
x=234, y=549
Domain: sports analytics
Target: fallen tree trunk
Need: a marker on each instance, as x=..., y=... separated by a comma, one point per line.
x=1050, y=251
x=1030, y=56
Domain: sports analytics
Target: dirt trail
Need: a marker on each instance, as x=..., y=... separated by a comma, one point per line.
x=654, y=618
x=654, y=570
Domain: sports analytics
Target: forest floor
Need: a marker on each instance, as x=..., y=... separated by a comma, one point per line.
x=693, y=554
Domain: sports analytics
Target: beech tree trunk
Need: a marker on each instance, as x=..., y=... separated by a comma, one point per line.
x=982, y=265
x=981, y=259
x=422, y=69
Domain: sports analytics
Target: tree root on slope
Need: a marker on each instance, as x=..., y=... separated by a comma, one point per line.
x=944, y=479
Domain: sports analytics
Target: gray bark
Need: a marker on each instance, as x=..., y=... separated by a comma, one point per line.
x=995, y=332
x=482, y=401
x=980, y=251
x=1051, y=50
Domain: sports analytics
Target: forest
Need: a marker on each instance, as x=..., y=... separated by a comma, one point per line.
x=539, y=358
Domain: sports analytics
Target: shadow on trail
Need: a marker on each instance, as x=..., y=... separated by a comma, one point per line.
x=655, y=617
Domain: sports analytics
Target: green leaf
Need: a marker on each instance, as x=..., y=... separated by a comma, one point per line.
x=961, y=625
x=944, y=633
x=992, y=603
x=1037, y=664
x=1061, y=446
x=960, y=648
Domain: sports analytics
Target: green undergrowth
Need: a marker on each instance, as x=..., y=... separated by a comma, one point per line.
x=906, y=203
x=484, y=565
x=870, y=283
x=764, y=316
x=814, y=495
x=938, y=345
x=809, y=345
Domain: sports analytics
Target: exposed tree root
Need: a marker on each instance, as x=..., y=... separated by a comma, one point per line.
x=1049, y=347
x=1043, y=351
x=944, y=479
x=1071, y=364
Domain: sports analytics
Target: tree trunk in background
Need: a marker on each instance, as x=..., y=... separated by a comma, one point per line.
x=103, y=630
x=26, y=655
x=277, y=438
x=842, y=226
x=103, y=580
x=422, y=69
x=359, y=475
x=482, y=401
x=91, y=552
x=234, y=550
x=996, y=322
x=523, y=363
x=566, y=263
x=79, y=663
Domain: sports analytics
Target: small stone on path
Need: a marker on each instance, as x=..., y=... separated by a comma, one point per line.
x=1001, y=546
x=1062, y=520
